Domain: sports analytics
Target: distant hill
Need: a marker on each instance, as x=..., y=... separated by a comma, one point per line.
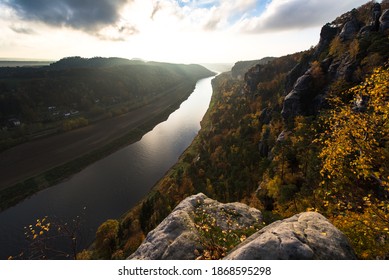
x=41, y=99
x=23, y=63
x=95, y=62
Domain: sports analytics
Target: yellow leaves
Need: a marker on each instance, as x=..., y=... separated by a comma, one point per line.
x=38, y=229
x=367, y=231
x=242, y=238
x=219, y=233
x=353, y=140
x=355, y=156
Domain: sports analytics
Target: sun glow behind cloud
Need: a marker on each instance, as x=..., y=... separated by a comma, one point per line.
x=164, y=30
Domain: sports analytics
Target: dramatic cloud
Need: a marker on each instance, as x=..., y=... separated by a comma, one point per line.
x=164, y=30
x=282, y=15
x=79, y=14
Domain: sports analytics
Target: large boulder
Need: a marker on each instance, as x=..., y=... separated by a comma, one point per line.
x=178, y=238
x=307, y=236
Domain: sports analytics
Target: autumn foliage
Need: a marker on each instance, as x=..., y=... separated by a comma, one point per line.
x=355, y=169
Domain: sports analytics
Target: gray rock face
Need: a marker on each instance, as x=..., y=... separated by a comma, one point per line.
x=307, y=236
x=343, y=68
x=349, y=30
x=384, y=21
x=327, y=34
x=376, y=13
x=252, y=79
x=177, y=237
x=292, y=102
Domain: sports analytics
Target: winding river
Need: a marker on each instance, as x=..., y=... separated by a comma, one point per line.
x=111, y=186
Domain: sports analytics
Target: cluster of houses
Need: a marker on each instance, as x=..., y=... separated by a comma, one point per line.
x=10, y=123
x=15, y=122
x=65, y=114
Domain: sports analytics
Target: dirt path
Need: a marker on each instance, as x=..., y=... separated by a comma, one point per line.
x=24, y=161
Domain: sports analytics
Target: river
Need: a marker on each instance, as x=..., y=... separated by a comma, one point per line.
x=113, y=185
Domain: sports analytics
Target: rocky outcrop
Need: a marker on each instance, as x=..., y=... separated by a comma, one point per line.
x=303, y=236
x=240, y=68
x=350, y=29
x=379, y=21
x=304, y=93
x=327, y=34
x=306, y=236
x=376, y=14
x=384, y=21
x=252, y=78
x=177, y=237
x=292, y=102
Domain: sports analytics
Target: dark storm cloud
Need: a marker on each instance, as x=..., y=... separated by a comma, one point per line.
x=78, y=14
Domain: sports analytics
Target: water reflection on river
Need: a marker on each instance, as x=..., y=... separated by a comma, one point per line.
x=114, y=184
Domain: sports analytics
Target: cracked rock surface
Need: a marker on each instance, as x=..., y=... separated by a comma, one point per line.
x=176, y=237
x=306, y=236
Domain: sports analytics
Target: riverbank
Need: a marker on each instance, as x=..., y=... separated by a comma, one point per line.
x=33, y=166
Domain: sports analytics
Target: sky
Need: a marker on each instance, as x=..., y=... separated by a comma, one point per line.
x=180, y=31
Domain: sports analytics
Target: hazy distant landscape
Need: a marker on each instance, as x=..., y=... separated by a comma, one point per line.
x=22, y=63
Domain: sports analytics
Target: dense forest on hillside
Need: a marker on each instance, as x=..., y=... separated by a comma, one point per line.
x=72, y=92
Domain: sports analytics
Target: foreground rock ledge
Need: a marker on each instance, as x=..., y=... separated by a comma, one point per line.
x=303, y=236
x=177, y=238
